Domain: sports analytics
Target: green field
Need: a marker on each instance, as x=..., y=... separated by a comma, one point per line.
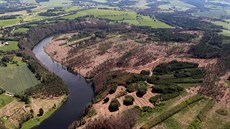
x=225, y=25
x=21, y=30
x=13, y=45
x=8, y=22
x=16, y=79
x=4, y=100
x=121, y=16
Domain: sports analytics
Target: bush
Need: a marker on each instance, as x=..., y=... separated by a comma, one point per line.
x=132, y=87
x=142, y=88
x=106, y=100
x=145, y=72
x=155, y=99
x=128, y=100
x=136, y=78
x=41, y=112
x=222, y=112
x=113, y=89
x=114, y=105
x=167, y=89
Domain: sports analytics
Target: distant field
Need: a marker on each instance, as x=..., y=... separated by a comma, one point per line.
x=4, y=100
x=121, y=16
x=215, y=13
x=13, y=45
x=226, y=25
x=101, y=1
x=21, y=30
x=16, y=79
x=8, y=22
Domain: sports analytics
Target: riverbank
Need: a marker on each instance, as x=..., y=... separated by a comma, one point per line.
x=38, y=120
x=80, y=92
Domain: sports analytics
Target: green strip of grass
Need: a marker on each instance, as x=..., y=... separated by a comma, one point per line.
x=120, y=16
x=13, y=45
x=4, y=100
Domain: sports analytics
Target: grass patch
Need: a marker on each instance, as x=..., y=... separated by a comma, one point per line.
x=13, y=45
x=171, y=123
x=4, y=100
x=165, y=115
x=21, y=30
x=8, y=22
x=121, y=16
x=17, y=79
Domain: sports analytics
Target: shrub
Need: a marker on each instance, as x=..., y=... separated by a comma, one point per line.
x=222, y=112
x=167, y=89
x=153, y=79
x=106, y=100
x=114, y=105
x=128, y=100
x=41, y=112
x=142, y=88
x=132, y=87
x=145, y=72
x=91, y=112
x=113, y=89
x=155, y=99
x=136, y=78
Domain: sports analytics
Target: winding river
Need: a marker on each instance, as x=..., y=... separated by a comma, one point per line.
x=80, y=90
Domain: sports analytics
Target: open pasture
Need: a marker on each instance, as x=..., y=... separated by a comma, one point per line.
x=17, y=79
x=13, y=45
x=121, y=16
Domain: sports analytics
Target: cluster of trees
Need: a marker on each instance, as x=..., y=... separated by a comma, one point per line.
x=114, y=105
x=51, y=85
x=174, y=66
x=187, y=21
x=209, y=47
x=9, y=17
x=128, y=100
x=171, y=36
x=23, y=98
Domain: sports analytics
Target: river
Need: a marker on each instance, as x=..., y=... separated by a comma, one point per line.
x=81, y=92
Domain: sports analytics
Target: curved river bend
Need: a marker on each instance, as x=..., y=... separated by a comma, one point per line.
x=80, y=90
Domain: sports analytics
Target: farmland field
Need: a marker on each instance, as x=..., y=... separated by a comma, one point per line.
x=225, y=25
x=121, y=16
x=4, y=100
x=17, y=79
x=8, y=22
x=13, y=45
x=21, y=30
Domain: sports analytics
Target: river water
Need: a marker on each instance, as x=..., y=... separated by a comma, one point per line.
x=81, y=92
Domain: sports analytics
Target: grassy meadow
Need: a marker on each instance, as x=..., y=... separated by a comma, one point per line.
x=8, y=22
x=4, y=100
x=16, y=79
x=121, y=16
x=13, y=45
x=21, y=30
